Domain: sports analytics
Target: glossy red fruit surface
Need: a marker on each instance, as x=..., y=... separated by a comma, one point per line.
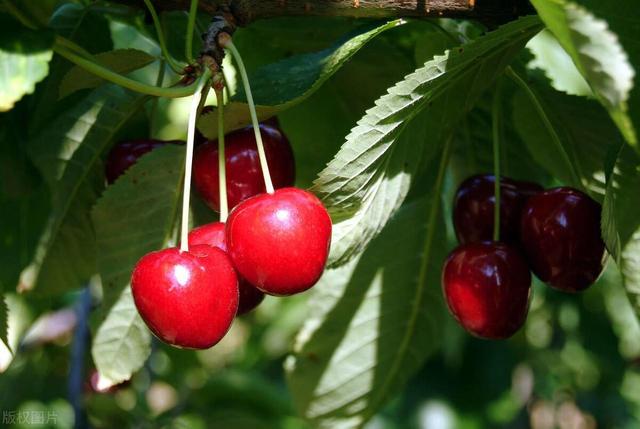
x=212, y=234
x=125, y=154
x=487, y=286
x=280, y=242
x=244, y=175
x=474, y=203
x=188, y=299
x=560, y=233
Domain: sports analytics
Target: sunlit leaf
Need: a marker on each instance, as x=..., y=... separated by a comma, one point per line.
x=371, y=174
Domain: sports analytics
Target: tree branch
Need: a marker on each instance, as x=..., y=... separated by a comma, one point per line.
x=247, y=11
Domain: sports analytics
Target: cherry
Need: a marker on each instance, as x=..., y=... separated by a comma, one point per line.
x=212, y=234
x=560, y=233
x=244, y=175
x=280, y=242
x=125, y=154
x=474, y=203
x=487, y=287
x=188, y=299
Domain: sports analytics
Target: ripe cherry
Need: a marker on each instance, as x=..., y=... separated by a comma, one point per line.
x=487, y=287
x=125, y=154
x=188, y=299
x=560, y=233
x=474, y=203
x=212, y=234
x=280, y=242
x=244, y=175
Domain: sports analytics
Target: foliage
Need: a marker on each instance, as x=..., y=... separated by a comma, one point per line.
x=386, y=118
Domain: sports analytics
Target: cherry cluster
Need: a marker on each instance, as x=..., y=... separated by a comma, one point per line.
x=555, y=233
x=272, y=243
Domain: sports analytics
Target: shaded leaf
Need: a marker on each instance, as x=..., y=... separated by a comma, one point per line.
x=280, y=85
x=373, y=322
x=583, y=128
x=370, y=176
x=25, y=56
x=120, y=61
x=621, y=220
x=68, y=154
x=4, y=321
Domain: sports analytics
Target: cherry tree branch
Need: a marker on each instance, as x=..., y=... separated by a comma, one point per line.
x=247, y=11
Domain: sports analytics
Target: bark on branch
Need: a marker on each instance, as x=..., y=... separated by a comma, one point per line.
x=246, y=11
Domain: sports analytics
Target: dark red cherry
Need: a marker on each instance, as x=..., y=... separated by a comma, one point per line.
x=187, y=299
x=280, y=242
x=487, y=287
x=125, y=154
x=244, y=174
x=473, y=208
x=560, y=233
x=212, y=234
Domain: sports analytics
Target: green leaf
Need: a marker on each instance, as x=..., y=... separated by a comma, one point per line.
x=621, y=220
x=122, y=343
x=25, y=56
x=150, y=193
x=373, y=322
x=68, y=154
x=583, y=128
x=280, y=85
x=370, y=176
x=120, y=61
x=72, y=21
x=598, y=55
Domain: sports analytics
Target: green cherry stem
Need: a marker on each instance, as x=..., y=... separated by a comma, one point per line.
x=225, y=41
x=163, y=45
x=222, y=173
x=191, y=23
x=496, y=116
x=191, y=134
x=118, y=79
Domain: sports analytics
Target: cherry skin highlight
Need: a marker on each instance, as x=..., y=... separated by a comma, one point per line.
x=280, y=242
x=125, y=154
x=212, y=234
x=487, y=287
x=474, y=204
x=560, y=233
x=187, y=299
x=244, y=174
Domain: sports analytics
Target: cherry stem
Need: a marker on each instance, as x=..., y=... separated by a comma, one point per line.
x=191, y=133
x=228, y=44
x=191, y=23
x=160, y=33
x=495, y=116
x=222, y=173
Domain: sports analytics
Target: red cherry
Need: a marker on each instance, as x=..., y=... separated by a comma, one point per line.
x=244, y=174
x=487, y=287
x=473, y=208
x=280, y=242
x=560, y=233
x=125, y=154
x=188, y=299
x=212, y=234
